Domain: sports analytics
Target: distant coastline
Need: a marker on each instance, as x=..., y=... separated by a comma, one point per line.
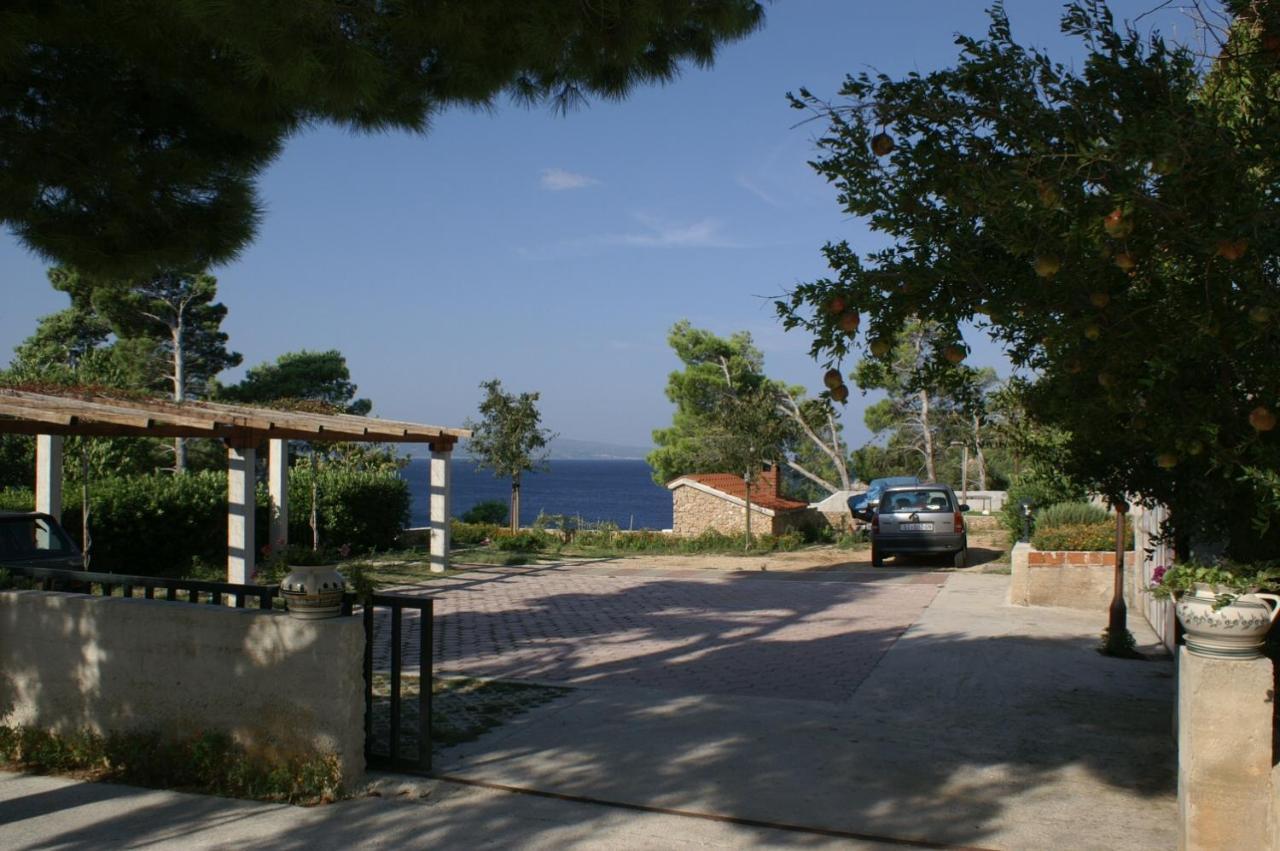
x=614, y=490
x=566, y=449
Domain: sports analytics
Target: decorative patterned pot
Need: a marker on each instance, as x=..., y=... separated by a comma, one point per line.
x=1235, y=631
x=313, y=591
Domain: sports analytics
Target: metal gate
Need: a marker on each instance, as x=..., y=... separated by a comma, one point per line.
x=394, y=738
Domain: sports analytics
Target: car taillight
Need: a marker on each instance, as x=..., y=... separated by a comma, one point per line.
x=959, y=523
x=875, y=522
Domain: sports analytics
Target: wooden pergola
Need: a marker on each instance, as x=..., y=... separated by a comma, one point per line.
x=242, y=428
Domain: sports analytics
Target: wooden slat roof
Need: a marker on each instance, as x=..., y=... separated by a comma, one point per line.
x=91, y=414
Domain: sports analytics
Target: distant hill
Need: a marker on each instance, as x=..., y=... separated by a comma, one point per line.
x=567, y=449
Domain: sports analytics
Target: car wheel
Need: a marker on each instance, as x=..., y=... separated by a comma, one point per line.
x=877, y=558
x=962, y=557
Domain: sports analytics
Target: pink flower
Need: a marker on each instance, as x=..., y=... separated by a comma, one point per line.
x=1157, y=575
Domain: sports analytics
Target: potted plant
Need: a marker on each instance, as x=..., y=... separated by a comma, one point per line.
x=1225, y=610
x=313, y=588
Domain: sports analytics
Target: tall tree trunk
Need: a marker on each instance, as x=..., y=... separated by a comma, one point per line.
x=515, y=503
x=979, y=459
x=746, y=480
x=926, y=438
x=179, y=392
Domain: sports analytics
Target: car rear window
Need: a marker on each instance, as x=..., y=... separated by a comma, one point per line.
x=28, y=537
x=923, y=499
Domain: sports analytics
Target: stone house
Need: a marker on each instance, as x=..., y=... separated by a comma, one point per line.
x=715, y=501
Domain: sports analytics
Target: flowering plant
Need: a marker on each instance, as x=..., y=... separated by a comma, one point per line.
x=1229, y=580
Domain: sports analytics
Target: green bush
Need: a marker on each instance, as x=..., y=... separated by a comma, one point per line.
x=210, y=763
x=471, y=534
x=1042, y=490
x=1079, y=536
x=156, y=525
x=360, y=510
x=166, y=525
x=527, y=541
x=1070, y=514
x=17, y=499
x=490, y=511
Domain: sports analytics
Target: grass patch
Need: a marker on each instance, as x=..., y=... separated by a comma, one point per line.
x=207, y=763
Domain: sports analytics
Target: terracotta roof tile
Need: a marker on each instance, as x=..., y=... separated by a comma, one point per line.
x=732, y=485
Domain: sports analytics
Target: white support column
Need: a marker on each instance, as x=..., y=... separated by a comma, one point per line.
x=48, y=479
x=278, y=487
x=240, y=505
x=440, y=500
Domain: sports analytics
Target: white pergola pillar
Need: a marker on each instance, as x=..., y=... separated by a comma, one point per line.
x=48, y=480
x=49, y=475
x=278, y=487
x=439, y=496
x=240, y=506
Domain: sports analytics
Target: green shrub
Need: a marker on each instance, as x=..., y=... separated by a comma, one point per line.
x=362, y=510
x=17, y=499
x=1080, y=536
x=493, y=511
x=527, y=541
x=209, y=762
x=665, y=543
x=1070, y=514
x=471, y=534
x=156, y=525
x=166, y=525
x=1042, y=490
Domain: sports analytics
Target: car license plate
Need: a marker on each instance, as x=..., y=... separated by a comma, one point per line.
x=916, y=527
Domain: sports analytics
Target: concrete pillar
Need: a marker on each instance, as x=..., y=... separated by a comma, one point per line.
x=1224, y=752
x=1019, y=579
x=48, y=480
x=440, y=505
x=240, y=519
x=278, y=487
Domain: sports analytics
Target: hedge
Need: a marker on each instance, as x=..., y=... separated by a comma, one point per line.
x=160, y=525
x=154, y=525
x=357, y=509
x=17, y=499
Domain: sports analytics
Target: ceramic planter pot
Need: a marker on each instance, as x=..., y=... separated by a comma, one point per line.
x=1235, y=631
x=313, y=591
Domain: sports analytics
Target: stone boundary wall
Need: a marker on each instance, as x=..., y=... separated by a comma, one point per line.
x=1069, y=579
x=281, y=687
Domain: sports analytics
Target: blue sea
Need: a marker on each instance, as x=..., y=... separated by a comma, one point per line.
x=619, y=491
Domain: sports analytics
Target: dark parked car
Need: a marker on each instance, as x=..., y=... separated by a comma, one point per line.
x=860, y=503
x=923, y=519
x=29, y=539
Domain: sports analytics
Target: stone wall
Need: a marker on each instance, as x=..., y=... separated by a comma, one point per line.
x=1069, y=579
x=280, y=686
x=697, y=512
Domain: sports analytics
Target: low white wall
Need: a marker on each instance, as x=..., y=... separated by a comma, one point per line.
x=991, y=501
x=281, y=687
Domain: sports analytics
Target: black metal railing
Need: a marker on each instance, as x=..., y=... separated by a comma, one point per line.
x=152, y=587
x=390, y=752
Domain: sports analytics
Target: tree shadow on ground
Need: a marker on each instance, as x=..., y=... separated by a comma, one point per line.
x=999, y=732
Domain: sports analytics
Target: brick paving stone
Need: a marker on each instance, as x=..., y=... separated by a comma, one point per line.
x=710, y=633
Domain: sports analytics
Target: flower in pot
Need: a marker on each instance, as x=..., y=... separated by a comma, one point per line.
x=1225, y=610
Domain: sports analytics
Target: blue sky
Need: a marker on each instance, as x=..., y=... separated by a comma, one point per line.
x=555, y=252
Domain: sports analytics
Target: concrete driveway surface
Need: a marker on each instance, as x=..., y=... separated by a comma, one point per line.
x=860, y=709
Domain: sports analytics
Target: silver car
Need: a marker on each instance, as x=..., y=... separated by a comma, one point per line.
x=923, y=519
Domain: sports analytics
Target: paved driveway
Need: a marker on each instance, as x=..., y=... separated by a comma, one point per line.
x=690, y=631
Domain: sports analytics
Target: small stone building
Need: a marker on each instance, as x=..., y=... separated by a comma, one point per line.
x=715, y=501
